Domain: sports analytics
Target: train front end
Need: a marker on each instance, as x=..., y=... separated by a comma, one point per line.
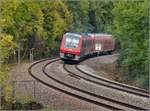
x=70, y=47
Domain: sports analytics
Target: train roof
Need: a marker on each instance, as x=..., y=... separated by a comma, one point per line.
x=99, y=34
x=89, y=34
x=75, y=34
x=78, y=34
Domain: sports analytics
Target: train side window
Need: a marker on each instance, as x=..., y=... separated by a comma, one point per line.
x=88, y=44
x=83, y=44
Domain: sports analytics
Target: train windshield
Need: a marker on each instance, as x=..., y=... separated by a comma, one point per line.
x=71, y=41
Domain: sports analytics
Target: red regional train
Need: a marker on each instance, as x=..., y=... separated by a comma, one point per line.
x=76, y=46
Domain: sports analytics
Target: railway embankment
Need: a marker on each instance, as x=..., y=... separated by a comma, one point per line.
x=105, y=66
x=68, y=87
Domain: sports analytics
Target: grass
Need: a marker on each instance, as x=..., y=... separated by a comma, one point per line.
x=47, y=108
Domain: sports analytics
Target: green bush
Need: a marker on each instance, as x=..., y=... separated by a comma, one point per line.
x=32, y=105
x=17, y=105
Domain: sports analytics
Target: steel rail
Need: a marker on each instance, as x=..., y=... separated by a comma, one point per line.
x=64, y=91
x=91, y=93
x=131, y=91
x=115, y=83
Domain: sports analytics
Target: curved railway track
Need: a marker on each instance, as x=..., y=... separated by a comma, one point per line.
x=65, y=91
x=111, y=107
x=104, y=82
x=91, y=93
x=113, y=82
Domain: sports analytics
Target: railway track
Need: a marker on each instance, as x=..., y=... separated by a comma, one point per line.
x=79, y=91
x=80, y=74
x=61, y=88
x=64, y=82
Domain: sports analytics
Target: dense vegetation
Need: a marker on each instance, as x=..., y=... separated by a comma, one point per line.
x=131, y=29
x=41, y=24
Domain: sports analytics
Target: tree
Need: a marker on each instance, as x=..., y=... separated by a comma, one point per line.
x=100, y=13
x=57, y=19
x=131, y=30
x=80, y=12
x=7, y=46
